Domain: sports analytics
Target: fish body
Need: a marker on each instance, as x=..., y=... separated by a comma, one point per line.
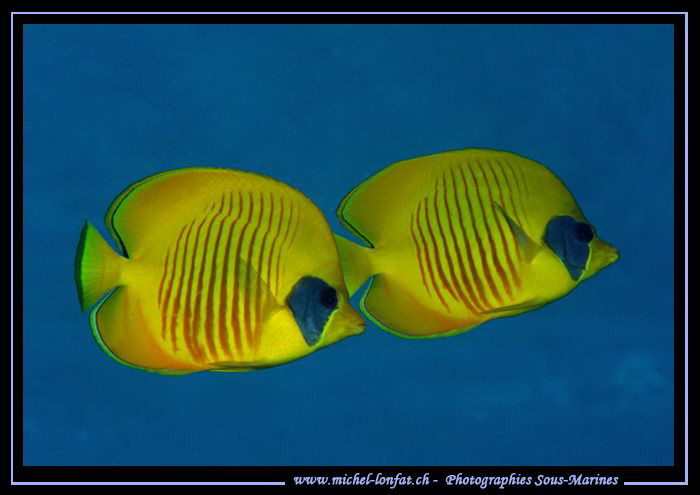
x=213, y=274
x=458, y=238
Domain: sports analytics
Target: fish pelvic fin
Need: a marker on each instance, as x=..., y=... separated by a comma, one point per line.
x=528, y=305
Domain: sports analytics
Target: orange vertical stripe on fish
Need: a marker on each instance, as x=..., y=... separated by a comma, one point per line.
x=475, y=282
x=250, y=293
x=494, y=255
x=453, y=240
x=170, y=285
x=190, y=342
x=426, y=252
x=178, y=296
x=419, y=254
x=261, y=296
x=506, y=245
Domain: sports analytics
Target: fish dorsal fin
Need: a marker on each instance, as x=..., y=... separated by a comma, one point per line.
x=370, y=210
x=154, y=209
x=530, y=247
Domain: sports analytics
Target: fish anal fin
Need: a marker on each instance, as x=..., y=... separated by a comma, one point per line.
x=125, y=334
x=391, y=307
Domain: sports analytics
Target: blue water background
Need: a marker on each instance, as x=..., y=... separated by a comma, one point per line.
x=584, y=381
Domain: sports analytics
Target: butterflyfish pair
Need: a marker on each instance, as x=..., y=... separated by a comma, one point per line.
x=226, y=270
x=455, y=239
x=218, y=270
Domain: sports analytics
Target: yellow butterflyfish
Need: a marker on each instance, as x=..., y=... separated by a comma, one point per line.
x=219, y=270
x=458, y=238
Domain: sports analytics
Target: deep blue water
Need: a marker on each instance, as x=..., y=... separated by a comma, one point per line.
x=586, y=380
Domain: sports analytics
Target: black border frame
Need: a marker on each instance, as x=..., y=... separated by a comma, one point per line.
x=51, y=475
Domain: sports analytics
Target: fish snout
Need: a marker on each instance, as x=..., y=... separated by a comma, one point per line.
x=607, y=253
x=355, y=323
x=603, y=254
x=346, y=323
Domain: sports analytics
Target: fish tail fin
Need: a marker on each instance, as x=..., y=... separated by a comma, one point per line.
x=355, y=262
x=120, y=321
x=97, y=267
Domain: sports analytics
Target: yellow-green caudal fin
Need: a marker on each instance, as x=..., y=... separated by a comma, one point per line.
x=97, y=267
x=355, y=262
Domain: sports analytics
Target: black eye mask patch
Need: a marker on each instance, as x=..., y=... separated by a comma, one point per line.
x=569, y=239
x=312, y=301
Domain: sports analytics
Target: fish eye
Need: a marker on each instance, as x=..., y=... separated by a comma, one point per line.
x=583, y=232
x=328, y=297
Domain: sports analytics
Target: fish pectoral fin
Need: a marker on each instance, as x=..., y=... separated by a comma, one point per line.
x=523, y=306
x=527, y=244
x=253, y=282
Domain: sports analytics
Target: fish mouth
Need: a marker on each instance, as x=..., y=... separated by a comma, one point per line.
x=603, y=255
x=613, y=255
x=347, y=322
x=357, y=329
x=608, y=253
x=354, y=322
